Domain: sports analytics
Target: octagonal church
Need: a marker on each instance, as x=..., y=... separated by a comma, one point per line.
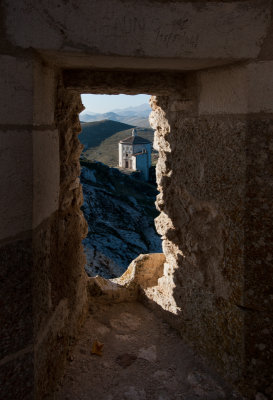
x=135, y=154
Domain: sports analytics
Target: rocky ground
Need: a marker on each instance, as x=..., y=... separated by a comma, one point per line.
x=120, y=212
x=142, y=358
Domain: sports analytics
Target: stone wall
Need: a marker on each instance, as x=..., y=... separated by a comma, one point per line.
x=213, y=176
x=154, y=34
x=202, y=205
x=204, y=131
x=214, y=172
x=60, y=280
x=43, y=283
x=29, y=197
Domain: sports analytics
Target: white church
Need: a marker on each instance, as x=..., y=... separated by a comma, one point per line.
x=135, y=154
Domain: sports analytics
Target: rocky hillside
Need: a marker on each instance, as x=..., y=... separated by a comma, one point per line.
x=120, y=213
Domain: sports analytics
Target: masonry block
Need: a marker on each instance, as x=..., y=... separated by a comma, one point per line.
x=46, y=171
x=237, y=89
x=16, y=296
x=16, y=87
x=157, y=29
x=16, y=183
x=17, y=378
x=44, y=94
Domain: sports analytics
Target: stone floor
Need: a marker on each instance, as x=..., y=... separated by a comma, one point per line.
x=142, y=359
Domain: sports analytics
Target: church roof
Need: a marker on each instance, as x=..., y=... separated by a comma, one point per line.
x=135, y=140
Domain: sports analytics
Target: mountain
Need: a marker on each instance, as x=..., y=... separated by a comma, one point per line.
x=100, y=140
x=99, y=117
x=120, y=213
x=137, y=116
x=136, y=121
x=142, y=110
x=87, y=116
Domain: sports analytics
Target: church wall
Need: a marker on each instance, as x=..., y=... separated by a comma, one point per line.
x=149, y=151
x=120, y=155
x=134, y=163
x=142, y=165
x=138, y=147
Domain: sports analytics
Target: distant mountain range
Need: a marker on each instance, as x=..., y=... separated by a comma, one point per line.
x=136, y=116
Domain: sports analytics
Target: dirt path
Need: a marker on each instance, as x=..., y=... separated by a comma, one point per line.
x=142, y=359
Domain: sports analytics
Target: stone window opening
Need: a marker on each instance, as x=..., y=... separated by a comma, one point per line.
x=209, y=64
x=117, y=233
x=160, y=278
x=198, y=283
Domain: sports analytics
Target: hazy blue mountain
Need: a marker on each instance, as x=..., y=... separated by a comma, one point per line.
x=137, y=116
x=86, y=117
x=99, y=117
x=142, y=122
x=142, y=111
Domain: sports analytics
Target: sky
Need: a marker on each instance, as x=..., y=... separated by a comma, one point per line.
x=101, y=103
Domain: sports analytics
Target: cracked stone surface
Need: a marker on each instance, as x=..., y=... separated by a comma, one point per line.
x=143, y=359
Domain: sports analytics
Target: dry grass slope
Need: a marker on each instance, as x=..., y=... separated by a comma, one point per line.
x=101, y=140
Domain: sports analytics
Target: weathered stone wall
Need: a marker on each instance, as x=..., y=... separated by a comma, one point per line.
x=60, y=280
x=258, y=275
x=213, y=176
x=204, y=132
x=29, y=195
x=214, y=171
x=172, y=34
x=202, y=204
x=43, y=283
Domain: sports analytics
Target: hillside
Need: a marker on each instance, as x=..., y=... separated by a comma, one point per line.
x=120, y=213
x=137, y=121
x=101, y=140
x=94, y=133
